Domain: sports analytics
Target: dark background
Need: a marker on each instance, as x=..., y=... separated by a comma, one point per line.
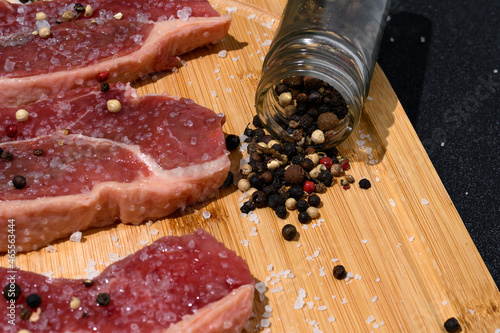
x=443, y=60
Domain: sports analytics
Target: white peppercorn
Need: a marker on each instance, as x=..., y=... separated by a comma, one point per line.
x=285, y=99
x=244, y=185
x=44, y=32
x=22, y=115
x=245, y=169
x=75, y=303
x=290, y=203
x=114, y=105
x=273, y=165
x=312, y=212
x=88, y=11
x=313, y=157
x=40, y=16
x=318, y=137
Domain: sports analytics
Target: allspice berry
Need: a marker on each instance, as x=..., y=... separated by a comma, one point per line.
x=327, y=121
x=312, y=82
x=294, y=174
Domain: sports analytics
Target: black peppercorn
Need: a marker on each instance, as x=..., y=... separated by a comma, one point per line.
x=12, y=291
x=306, y=122
x=289, y=150
x=452, y=325
x=232, y=142
x=307, y=164
x=325, y=177
x=257, y=122
x=304, y=217
x=302, y=205
x=365, y=184
x=79, y=8
x=281, y=212
x=88, y=283
x=315, y=98
x=38, y=152
x=256, y=181
x=314, y=200
x=25, y=313
x=297, y=159
x=7, y=156
x=248, y=132
x=247, y=207
x=103, y=299
x=59, y=21
x=19, y=182
x=267, y=177
x=33, y=301
x=258, y=134
x=339, y=272
x=1, y=151
x=296, y=192
x=274, y=201
x=301, y=98
x=281, y=88
x=228, y=181
x=259, y=199
x=104, y=86
x=276, y=147
x=289, y=232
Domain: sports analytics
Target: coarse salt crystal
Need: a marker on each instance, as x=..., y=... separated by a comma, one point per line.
x=231, y=10
x=276, y=289
x=245, y=242
x=228, y=89
x=375, y=326
x=76, y=236
x=270, y=267
x=444, y=302
x=370, y=319
x=331, y=319
x=265, y=322
x=51, y=249
x=471, y=311
x=422, y=39
x=412, y=239
x=344, y=301
x=235, y=59
x=377, y=179
x=253, y=232
x=260, y=287
x=369, y=98
x=368, y=150
x=424, y=202
x=364, y=241
x=214, y=94
x=322, y=308
x=310, y=305
x=48, y=274
x=153, y=232
x=113, y=257
x=143, y=242
x=251, y=16
x=267, y=42
x=206, y=214
x=391, y=201
x=374, y=299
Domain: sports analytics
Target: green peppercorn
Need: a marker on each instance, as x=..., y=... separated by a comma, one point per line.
x=289, y=232
x=103, y=299
x=33, y=301
x=339, y=272
x=19, y=182
x=452, y=325
x=12, y=291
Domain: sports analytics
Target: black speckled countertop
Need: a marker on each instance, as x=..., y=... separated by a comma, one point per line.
x=443, y=61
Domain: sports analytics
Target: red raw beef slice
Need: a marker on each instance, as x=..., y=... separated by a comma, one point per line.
x=177, y=284
x=148, y=38
x=157, y=154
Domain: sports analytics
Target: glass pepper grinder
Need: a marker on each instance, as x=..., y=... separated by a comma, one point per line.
x=334, y=42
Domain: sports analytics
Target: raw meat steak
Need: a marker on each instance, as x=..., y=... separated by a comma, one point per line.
x=76, y=52
x=177, y=284
x=20, y=18
x=156, y=155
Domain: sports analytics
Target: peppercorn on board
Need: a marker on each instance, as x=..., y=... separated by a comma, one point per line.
x=414, y=263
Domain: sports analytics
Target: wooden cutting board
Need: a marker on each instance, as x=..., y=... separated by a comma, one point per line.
x=414, y=263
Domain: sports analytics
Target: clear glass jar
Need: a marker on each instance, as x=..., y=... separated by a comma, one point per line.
x=336, y=41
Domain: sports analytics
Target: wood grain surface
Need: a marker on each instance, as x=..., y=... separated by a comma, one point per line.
x=414, y=263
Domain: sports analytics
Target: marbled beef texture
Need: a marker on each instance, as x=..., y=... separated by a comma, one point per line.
x=148, y=38
x=156, y=155
x=177, y=284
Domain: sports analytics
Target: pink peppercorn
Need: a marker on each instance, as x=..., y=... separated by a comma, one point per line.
x=345, y=164
x=102, y=76
x=309, y=187
x=327, y=162
x=11, y=130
